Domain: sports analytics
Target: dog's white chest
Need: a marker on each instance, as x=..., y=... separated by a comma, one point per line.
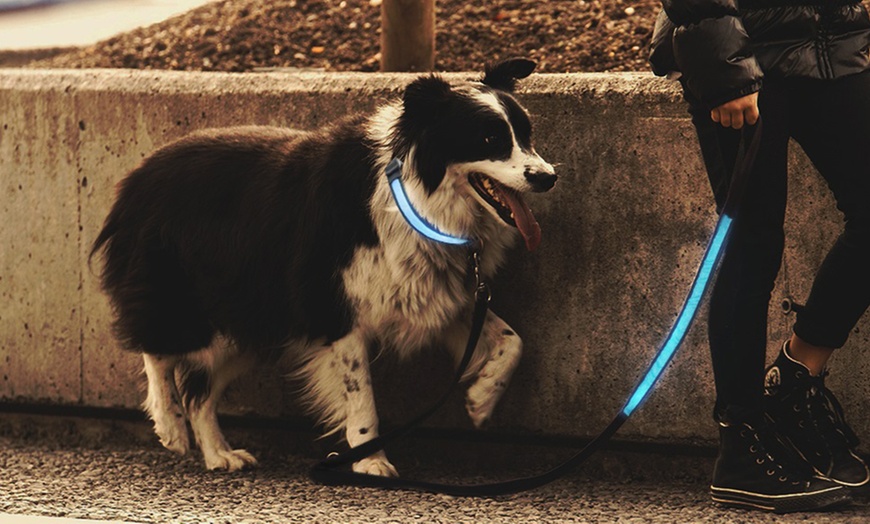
x=404, y=297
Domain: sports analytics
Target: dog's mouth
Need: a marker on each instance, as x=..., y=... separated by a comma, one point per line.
x=509, y=206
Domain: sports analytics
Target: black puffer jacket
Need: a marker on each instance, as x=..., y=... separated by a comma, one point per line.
x=723, y=49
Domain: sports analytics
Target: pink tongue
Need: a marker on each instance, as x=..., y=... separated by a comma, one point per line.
x=526, y=222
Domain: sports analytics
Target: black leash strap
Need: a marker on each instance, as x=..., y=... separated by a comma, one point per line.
x=330, y=472
x=750, y=142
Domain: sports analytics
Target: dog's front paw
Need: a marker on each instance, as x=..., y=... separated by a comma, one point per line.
x=229, y=459
x=172, y=432
x=481, y=399
x=376, y=464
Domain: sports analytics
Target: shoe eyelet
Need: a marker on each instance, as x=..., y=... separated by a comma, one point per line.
x=759, y=461
x=771, y=472
x=799, y=374
x=796, y=408
x=753, y=449
x=783, y=479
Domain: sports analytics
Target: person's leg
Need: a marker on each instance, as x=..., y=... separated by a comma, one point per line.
x=740, y=298
x=834, y=133
x=832, y=127
x=752, y=470
x=814, y=357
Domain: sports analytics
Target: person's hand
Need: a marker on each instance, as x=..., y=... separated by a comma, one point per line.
x=743, y=110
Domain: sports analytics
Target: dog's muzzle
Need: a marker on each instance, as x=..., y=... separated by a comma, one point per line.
x=541, y=181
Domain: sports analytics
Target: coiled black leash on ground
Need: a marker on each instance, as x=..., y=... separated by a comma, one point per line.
x=331, y=471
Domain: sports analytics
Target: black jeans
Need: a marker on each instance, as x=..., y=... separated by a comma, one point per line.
x=830, y=119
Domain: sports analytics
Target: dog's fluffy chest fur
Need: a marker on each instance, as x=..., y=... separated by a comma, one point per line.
x=404, y=300
x=407, y=290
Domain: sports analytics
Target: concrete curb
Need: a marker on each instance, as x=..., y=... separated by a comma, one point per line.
x=622, y=237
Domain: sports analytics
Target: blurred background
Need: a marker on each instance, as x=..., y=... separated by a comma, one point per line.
x=32, y=24
x=327, y=35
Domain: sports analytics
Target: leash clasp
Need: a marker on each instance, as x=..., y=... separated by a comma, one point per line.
x=481, y=289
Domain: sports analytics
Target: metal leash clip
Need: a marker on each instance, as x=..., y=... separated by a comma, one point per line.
x=480, y=287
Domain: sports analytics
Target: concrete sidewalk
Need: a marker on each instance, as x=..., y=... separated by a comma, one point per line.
x=9, y=518
x=99, y=470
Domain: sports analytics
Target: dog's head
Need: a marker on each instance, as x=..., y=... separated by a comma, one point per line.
x=477, y=139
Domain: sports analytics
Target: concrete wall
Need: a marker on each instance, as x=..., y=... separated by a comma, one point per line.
x=623, y=234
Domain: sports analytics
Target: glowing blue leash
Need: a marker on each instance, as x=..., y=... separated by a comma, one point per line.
x=704, y=278
x=687, y=314
x=326, y=473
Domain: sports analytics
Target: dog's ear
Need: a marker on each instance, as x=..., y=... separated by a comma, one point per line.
x=504, y=75
x=425, y=102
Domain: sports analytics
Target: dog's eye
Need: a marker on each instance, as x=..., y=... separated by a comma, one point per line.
x=491, y=140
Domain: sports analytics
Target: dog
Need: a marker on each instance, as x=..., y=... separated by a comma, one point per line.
x=234, y=244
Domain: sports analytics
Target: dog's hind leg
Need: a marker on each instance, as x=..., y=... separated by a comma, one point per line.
x=338, y=389
x=496, y=357
x=206, y=377
x=163, y=403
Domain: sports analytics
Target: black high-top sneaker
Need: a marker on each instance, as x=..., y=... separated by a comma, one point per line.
x=755, y=469
x=808, y=416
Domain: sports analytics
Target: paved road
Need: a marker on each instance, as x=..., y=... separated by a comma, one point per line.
x=83, y=22
x=110, y=471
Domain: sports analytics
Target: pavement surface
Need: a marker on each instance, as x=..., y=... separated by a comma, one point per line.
x=57, y=469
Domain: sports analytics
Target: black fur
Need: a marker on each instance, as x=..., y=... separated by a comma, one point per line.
x=504, y=75
x=244, y=231
x=207, y=235
x=195, y=384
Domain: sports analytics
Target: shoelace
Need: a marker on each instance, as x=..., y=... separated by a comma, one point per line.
x=763, y=438
x=827, y=413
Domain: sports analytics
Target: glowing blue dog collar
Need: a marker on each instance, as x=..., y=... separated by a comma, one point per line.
x=418, y=223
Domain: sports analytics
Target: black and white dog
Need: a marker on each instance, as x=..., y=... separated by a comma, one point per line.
x=231, y=243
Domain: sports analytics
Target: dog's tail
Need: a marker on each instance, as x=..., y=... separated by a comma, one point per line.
x=115, y=241
x=110, y=228
x=121, y=213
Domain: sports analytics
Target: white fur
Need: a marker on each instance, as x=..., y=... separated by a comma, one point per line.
x=163, y=403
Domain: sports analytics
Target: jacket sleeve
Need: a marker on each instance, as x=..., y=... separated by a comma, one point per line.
x=712, y=50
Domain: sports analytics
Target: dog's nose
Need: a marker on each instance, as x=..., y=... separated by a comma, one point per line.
x=541, y=181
